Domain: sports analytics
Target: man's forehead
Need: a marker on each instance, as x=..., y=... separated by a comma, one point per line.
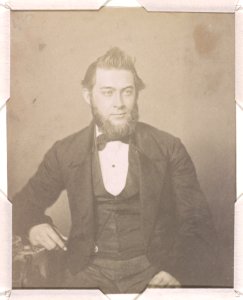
x=114, y=77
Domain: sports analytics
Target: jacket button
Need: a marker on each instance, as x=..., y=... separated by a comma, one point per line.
x=96, y=249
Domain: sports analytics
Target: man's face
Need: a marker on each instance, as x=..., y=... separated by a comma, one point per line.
x=113, y=101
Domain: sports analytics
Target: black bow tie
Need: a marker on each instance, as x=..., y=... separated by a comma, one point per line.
x=102, y=140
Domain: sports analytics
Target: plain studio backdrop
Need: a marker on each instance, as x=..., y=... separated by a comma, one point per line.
x=187, y=63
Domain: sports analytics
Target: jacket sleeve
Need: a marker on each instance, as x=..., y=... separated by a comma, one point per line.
x=194, y=254
x=41, y=191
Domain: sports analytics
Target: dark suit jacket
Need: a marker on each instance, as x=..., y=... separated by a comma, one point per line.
x=172, y=204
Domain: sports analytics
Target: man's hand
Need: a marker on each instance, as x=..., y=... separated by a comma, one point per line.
x=45, y=235
x=163, y=279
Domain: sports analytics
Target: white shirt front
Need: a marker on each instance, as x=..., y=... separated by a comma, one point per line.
x=114, y=165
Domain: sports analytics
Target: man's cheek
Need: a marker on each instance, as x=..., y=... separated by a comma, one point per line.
x=105, y=113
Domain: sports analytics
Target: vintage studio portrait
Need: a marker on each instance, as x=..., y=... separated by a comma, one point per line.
x=121, y=149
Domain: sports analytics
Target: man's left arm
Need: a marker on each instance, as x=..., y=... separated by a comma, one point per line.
x=193, y=259
x=195, y=248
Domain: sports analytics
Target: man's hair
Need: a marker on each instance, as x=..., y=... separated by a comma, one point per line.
x=114, y=58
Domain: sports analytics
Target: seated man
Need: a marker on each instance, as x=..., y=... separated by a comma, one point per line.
x=138, y=215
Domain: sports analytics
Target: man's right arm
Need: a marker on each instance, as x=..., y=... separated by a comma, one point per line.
x=41, y=191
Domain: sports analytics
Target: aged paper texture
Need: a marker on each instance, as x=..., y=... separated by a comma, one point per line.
x=187, y=63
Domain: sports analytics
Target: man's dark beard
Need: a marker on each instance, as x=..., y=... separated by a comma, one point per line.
x=116, y=131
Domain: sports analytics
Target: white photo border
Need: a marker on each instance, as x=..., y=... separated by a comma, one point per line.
x=230, y=6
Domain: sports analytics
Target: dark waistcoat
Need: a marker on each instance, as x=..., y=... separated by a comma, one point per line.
x=118, y=233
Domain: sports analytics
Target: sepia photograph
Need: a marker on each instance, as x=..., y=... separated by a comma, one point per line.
x=121, y=150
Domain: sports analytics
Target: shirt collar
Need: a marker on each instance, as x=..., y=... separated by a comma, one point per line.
x=97, y=131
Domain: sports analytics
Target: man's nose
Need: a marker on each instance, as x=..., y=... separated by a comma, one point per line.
x=118, y=100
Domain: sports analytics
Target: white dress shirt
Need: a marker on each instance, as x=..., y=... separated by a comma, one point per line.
x=114, y=165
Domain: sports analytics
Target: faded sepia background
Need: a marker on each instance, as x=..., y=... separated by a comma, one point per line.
x=187, y=63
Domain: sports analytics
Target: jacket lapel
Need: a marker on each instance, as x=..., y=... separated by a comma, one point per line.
x=152, y=167
x=80, y=186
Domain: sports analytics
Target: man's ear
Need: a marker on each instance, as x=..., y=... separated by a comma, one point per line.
x=86, y=95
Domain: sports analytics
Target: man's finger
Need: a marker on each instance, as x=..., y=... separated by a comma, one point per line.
x=56, y=238
x=155, y=282
x=34, y=242
x=47, y=243
x=163, y=279
x=175, y=283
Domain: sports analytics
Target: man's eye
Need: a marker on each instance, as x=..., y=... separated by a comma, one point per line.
x=107, y=93
x=128, y=92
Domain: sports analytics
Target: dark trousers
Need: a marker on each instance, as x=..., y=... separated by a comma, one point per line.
x=113, y=276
